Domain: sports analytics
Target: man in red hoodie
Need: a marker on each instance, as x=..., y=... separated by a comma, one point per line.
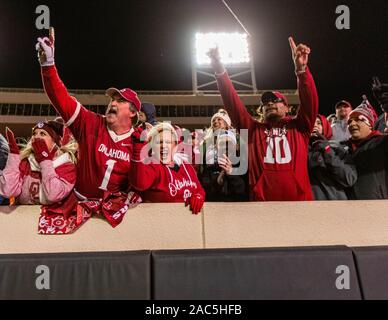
x=277, y=148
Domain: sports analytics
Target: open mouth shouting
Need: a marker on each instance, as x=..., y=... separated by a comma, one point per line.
x=164, y=153
x=112, y=111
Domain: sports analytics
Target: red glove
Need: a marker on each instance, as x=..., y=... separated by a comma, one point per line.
x=13, y=147
x=41, y=151
x=139, y=142
x=196, y=202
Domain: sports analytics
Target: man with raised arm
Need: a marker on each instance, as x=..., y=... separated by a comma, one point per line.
x=277, y=148
x=105, y=144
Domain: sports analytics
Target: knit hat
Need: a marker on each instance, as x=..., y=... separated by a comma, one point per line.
x=327, y=130
x=365, y=112
x=53, y=127
x=223, y=115
x=150, y=111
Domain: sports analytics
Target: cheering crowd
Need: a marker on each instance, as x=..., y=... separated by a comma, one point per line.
x=84, y=164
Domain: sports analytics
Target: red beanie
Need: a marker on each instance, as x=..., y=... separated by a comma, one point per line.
x=366, y=113
x=53, y=127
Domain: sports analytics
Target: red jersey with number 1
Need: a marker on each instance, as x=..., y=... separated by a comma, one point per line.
x=104, y=158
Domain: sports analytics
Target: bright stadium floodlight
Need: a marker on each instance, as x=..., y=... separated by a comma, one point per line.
x=233, y=47
x=236, y=55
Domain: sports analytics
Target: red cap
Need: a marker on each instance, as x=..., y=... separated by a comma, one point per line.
x=127, y=94
x=273, y=95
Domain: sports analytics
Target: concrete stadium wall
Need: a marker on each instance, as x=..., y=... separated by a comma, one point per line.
x=222, y=225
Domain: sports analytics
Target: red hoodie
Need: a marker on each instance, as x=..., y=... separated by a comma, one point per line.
x=161, y=183
x=277, y=155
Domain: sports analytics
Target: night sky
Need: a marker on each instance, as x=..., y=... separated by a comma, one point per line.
x=146, y=45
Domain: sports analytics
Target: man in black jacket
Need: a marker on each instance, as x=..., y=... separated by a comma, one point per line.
x=368, y=150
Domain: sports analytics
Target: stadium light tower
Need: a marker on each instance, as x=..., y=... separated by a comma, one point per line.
x=236, y=55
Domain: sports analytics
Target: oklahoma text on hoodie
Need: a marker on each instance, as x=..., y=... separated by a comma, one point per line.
x=159, y=183
x=277, y=155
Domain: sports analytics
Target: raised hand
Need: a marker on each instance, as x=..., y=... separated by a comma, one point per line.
x=45, y=48
x=300, y=55
x=41, y=150
x=215, y=58
x=13, y=147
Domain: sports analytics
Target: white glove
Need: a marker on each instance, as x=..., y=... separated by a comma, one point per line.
x=45, y=48
x=215, y=58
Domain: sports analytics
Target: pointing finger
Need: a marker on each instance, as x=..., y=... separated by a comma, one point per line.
x=292, y=44
x=52, y=34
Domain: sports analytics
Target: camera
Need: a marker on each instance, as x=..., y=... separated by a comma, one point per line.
x=380, y=91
